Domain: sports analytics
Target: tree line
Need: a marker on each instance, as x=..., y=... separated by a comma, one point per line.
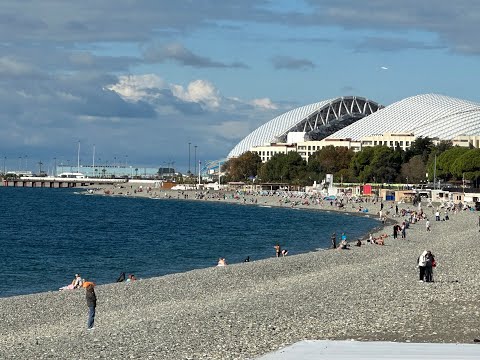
x=423, y=161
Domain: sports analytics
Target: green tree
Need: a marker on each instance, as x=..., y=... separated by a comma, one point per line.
x=289, y=168
x=444, y=163
x=421, y=146
x=360, y=164
x=414, y=170
x=467, y=165
x=242, y=167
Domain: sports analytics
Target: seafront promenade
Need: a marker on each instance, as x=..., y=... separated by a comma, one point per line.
x=246, y=310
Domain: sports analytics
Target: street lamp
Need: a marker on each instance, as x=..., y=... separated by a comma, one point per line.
x=189, y=158
x=4, y=160
x=195, y=159
x=55, y=168
x=219, y=173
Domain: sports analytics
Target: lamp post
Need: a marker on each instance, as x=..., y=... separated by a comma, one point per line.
x=189, y=158
x=195, y=161
x=4, y=160
x=55, y=167
x=219, y=174
x=199, y=177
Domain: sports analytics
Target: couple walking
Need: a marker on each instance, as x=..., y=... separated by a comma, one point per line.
x=426, y=263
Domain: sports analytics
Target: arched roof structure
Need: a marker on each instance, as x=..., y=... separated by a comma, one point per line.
x=319, y=119
x=427, y=115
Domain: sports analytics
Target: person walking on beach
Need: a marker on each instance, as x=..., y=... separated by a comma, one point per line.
x=427, y=224
x=92, y=304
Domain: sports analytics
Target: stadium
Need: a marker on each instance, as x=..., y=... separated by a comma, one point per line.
x=356, y=122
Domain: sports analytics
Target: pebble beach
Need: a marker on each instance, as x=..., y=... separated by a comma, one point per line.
x=243, y=311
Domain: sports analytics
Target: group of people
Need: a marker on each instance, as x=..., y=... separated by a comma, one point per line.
x=426, y=262
x=77, y=283
x=91, y=298
x=122, y=278
x=279, y=252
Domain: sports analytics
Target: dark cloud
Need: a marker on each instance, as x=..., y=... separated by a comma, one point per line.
x=454, y=22
x=178, y=53
x=289, y=63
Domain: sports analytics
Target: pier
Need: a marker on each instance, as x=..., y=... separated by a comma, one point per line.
x=58, y=182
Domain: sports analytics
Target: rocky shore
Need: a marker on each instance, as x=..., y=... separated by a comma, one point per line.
x=246, y=310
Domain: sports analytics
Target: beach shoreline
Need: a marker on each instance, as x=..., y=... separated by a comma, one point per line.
x=242, y=311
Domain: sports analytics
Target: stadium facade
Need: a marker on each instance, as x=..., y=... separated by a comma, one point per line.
x=356, y=122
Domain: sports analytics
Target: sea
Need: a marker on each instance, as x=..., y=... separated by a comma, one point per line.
x=49, y=235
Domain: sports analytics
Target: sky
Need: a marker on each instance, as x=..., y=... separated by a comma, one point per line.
x=157, y=82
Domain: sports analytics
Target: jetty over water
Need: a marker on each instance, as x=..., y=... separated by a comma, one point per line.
x=58, y=182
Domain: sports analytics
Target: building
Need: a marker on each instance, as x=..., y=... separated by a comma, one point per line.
x=435, y=116
x=316, y=121
x=116, y=171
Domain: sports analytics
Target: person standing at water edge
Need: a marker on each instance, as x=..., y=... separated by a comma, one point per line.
x=92, y=304
x=278, y=250
x=334, y=241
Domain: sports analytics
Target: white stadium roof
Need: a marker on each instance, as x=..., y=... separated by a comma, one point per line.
x=268, y=131
x=428, y=115
x=310, y=117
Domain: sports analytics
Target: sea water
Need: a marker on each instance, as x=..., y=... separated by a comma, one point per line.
x=48, y=235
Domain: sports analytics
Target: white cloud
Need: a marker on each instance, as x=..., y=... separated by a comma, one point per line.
x=265, y=103
x=199, y=91
x=137, y=87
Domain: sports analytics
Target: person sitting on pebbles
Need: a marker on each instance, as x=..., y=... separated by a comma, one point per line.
x=343, y=245
x=76, y=283
x=222, y=262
